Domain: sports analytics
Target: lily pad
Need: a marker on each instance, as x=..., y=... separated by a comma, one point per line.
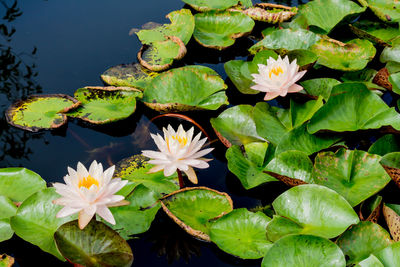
x=392, y=217
x=19, y=183
x=240, y=71
x=376, y=32
x=390, y=256
x=386, y=10
x=284, y=40
x=36, y=221
x=137, y=216
x=304, y=58
x=135, y=170
x=242, y=233
x=248, y=165
x=193, y=208
x=354, y=174
x=352, y=107
x=6, y=261
x=394, y=80
x=270, y=13
x=391, y=53
x=319, y=87
x=371, y=261
x=207, y=5
x=40, y=112
x=391, y=163
x=95, y=245
x=370, y=209
x=350, y=56
x=236, y=124
x=173, y=90
x=128, y=75
x=101, y=105
x=219, y=30
x=386, y=144
x=304, y=251
x=314, y=210
x=363, y=239
x=7, y=210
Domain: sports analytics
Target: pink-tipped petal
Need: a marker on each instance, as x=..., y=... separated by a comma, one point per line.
x=271, y=95
x=294, y=88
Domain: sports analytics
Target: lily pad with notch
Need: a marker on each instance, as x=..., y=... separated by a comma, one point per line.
x=193, y=209
x=40, y=112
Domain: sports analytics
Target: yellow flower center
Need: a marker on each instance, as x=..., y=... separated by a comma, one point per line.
x=276, y=71
x=182, y=140
x=88, y=182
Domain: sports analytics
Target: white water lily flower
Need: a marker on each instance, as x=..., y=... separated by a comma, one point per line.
x=278, y=77
x=178, y=151
x=89, y=192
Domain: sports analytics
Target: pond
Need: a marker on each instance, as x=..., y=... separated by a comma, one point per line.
x=60, y=46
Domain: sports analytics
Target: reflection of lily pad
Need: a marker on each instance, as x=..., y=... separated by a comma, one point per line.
x=186, y=88
x=350, y=56
x=40, y=112
x=193, y=208
x=310, y=209
x=207, y=5
x=352, y=107
x=304, y=251
x=392, y=217
x=220, y=29
x=386, y=10
x=102, y=105
x=130, y=75
x=354, y=174
x=95, y=245
x=241, y=233
x=363, y=239
x=270, y=13
x=135, y=168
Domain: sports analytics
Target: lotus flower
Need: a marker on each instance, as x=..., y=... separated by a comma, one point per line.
x=89, y=192
x=178, y=151
x=278, y=77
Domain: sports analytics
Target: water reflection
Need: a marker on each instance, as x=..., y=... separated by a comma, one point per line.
x=16, y=81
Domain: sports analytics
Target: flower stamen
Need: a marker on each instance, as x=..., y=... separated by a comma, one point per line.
x=275, y=71
x=88, y=182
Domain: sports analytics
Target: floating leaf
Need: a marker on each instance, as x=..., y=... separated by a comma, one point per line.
x=319, y=87
x=135, y=170
x=390, y=256
x=40, y=112
x=371, y=208
x=95, y=245
x=248, y=165
x=130, y=75
x=207, y=5
x=240, y=71
x=354, y=174
x=353, y=107
x=304, y=251
x=285, y=40
x=391, y=163
x=304, y=58
x=350, y=56
x=270, y=13
x=241, y=233
x=386, y=144
x=7, y=210
x=36, y=221
x=394, y=80
x=236, y=124
x=19, y=183
x=220, y=29
x=173, y=90
x=6, y=261
x=371, y=261
x=311, y=209
x=101, y=105
x=376, y=32
x=193, y=208
x=391, y=53
x=392, y=217
x=361, y=240
x=386, y=10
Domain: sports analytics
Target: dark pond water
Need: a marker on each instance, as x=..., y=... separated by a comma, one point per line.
x=60, y=46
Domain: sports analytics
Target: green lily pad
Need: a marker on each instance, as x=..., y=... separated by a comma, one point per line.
x=182, y=26
x=7, y=210
x=40, y=112
x=350, y=56
x=36, y=221
x=270, y=13
x=363, y=239
x=219, y=30
x=173, y=90
x=376, y=32
x=236, y=124
x=101, y=105
x=304, y=251
x=242, y=233
x=392, y=217
x=311, y=209
x=391, y=163
x=390, y=256
x=371, y=261
x=129, y=75
x=6, y=232
x=248, y=165
x=6, y=261
x=366, y=76
x=391, y=53
x=19, y=183
x=135, y=168
x=240, y=71
x=207, y=5
x=95, y=245
x=319, y=87
x=386, y=144
x=284, y=40
x=394, y=80
x=386, y=10
x=353, y=107
x=304, y=58
x=370, y=209
x=326, y=14
x=193, y=208
x=136, y=217
x=354, y=174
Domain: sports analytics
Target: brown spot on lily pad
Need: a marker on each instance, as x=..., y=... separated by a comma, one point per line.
x=382, y=79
